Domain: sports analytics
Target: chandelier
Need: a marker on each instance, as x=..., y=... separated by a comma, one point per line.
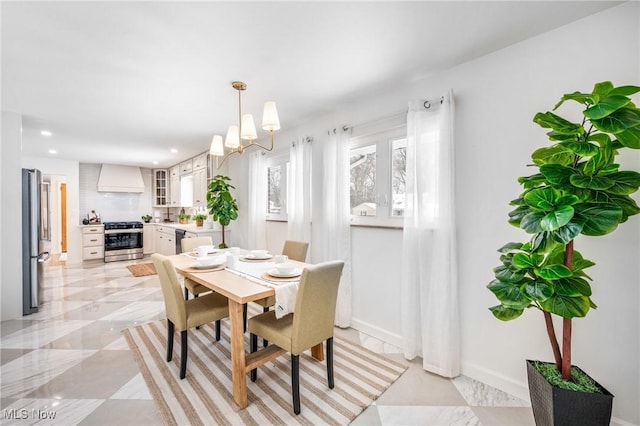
x=245, y=130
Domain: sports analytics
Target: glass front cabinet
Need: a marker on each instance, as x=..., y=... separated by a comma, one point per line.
x=160, y=198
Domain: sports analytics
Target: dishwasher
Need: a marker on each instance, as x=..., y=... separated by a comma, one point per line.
x=180, y=234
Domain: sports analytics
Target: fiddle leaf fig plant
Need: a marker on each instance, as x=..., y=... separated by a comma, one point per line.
x=221, y=204
x=578, y=188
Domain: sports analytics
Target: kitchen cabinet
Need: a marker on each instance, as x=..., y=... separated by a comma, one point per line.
x=92, y=242
x=160, y=188
x=200, y=187
x=186, y=167
x=174, y=186
x=200, y=161
x=148, y=238
x=165, y=240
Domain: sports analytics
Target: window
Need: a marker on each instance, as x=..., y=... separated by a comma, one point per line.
x=277, y=172
x=377, y=176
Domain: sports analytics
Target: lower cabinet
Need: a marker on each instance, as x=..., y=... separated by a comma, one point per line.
x=92, y=242
x=165, y=240
x=148, y=238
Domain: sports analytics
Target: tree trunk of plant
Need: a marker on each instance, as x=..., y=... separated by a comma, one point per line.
x=223, y=245
x=566, y=323
x=551, y=332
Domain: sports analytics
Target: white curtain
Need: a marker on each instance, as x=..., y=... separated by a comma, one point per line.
x=335, y=239
x=429, y=294
x=257, y=235
x=299, y=191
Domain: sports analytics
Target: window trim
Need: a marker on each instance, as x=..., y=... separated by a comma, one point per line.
x=281, y=160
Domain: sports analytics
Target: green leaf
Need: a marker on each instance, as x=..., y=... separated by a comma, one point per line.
x=583, y=98
x=516, y=216
x=556, y=154
x=532, y=181
x=626, y=203
x=572, y=286
x=605, y=107
x=567, y=307
x=531, y=222
x=618, y=121
x=568, y=232
x=524, y=260
x=602, y=89
x=591, y=182
x=630, y=137
x=510, y=248
x=599, y=219
x=557, y=218
x=624, y=90
x=542, y=198
x=624, y=183
x=538, y=290
x=505, y=314
x=601, y=138
x=583, y=149
x=553, y=272
x=580, y=264
x=510, y=295
x=557, y=123
x=556, y=174
x=567, y=200
x=502, y=273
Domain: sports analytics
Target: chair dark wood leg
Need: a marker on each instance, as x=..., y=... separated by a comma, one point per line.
x=186, y=294
x=295, y=382
x=330, y=362
x=265, y=343
x=183, y=354
x=253, y=346
x=217, y=330
x=244, y=317
x=170, y=331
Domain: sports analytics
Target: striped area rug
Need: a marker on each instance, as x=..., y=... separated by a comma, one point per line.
x=204, y=397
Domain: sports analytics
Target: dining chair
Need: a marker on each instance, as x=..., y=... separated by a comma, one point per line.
x=310, y=324
x=294, y=250
x=188, y=245
x=185, y=314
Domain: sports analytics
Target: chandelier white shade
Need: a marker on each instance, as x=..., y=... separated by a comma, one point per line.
x=245, y=130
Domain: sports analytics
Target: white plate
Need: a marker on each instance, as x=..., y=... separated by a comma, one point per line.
x=197, y=265
x=254, y=257
x=274, y=272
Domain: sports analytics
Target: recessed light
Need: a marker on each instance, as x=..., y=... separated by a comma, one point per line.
x=155, y=162
x=52, y=151
x=173, y=150
x=45, y=133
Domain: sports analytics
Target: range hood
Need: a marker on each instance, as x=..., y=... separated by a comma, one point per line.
x=115, y=178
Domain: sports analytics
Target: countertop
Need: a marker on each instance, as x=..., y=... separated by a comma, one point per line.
x=190, y=227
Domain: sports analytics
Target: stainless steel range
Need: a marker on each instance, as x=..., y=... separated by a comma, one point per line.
x=122, y=241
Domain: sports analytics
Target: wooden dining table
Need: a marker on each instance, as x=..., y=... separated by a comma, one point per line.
x=239, y=290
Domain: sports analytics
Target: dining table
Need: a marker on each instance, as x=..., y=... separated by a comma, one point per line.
x=240, y=286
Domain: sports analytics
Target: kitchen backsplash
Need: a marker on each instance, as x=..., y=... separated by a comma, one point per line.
x=113, y=206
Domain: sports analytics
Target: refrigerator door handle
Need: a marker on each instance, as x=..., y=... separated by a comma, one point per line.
x=40, y=259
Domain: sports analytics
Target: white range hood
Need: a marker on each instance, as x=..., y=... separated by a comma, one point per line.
x=115, y=178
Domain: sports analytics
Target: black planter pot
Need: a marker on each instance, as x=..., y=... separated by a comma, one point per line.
x=553, y=406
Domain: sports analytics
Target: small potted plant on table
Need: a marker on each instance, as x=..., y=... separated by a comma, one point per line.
x=200, y=218
x=183, y=218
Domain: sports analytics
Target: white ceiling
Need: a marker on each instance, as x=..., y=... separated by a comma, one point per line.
x=126, y=82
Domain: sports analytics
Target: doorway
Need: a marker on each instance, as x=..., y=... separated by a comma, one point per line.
x=63, y=217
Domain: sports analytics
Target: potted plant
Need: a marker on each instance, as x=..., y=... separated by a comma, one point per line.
x=200, y=218
x=578, y=189
x=184, y=218
x=147, y=218
x=222, y=206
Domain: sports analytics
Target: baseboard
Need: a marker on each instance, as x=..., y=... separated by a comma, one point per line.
x=496, y=380
x=377, y=332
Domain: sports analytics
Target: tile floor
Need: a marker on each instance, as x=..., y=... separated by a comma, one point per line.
x=69, y=364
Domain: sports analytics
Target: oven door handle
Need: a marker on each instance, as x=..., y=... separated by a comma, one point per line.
x=123, y=231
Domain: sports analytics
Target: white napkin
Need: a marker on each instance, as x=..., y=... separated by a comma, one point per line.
x=285, y=299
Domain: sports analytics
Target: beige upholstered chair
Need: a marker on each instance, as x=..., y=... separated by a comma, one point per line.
x=310, y=324
x=185, y=314
x=189, y=244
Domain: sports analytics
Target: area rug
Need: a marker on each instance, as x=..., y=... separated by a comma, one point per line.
x=204, y=397
x=142, y=269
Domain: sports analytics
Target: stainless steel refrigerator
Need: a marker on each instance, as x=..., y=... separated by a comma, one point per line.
x=35, y=229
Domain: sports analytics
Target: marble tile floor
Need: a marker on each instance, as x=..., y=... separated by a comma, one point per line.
x=70, y=365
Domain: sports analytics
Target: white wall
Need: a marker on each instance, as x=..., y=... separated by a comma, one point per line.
x=11, y=216
x=496, y=98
